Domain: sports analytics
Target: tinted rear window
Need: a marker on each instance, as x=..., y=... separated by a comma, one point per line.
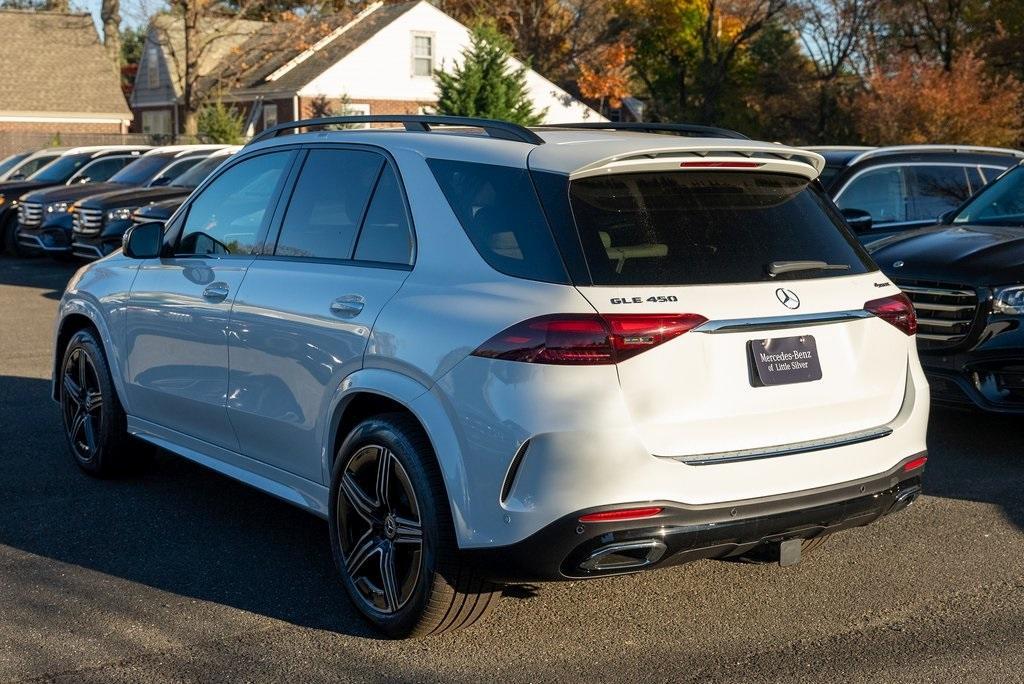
x=691, y=228
x=499, y=210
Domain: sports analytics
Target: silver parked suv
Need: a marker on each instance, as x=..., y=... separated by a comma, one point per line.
x=490, y=354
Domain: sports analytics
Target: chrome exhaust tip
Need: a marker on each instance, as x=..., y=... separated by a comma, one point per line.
x=621, y=556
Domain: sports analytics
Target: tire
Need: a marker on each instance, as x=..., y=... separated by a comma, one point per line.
x=411, y=533
x=10, y=239
x=94, y=422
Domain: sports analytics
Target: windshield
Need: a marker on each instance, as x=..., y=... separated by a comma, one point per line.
x=194, y=176
x=60, y=170
x=999, y=204
x=140, y=171
x=8, y=163
x=694, y=228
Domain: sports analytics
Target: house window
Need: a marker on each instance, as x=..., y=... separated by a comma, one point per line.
x=152, y=67
x=422, y=54
x=156, y=122
x=353, y=109
x=269, y=116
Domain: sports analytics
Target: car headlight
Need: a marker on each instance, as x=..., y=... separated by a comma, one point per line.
x=122, y=214
x=57, y=207
x=1009, y=300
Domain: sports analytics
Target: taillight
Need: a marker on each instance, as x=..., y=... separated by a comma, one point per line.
x=895, y=310
x=915, y=463
x=586, y=339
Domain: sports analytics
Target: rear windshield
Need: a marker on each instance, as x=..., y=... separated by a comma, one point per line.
x=692, y=228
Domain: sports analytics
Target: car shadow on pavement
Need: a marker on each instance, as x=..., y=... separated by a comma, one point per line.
x=174, y=525
x=977, y=457
x=183, y=529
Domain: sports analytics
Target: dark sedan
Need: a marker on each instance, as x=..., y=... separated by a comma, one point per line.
x=966, y=279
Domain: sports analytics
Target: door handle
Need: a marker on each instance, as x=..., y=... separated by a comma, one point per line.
x=348, y=306
x=216, y=292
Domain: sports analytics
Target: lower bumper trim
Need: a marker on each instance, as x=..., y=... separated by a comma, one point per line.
x=567, y=549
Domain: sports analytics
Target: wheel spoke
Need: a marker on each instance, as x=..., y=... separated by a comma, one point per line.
x=388, y=578
x=71, y=389
x=357, y=499
x=383, y=485
x=407, y=531
x=90, y=433
x=77, y=424
x=93, y=401
x=81, y=370
x=361, y=552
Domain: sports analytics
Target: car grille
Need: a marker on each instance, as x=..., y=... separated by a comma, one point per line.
x=86, y=221
x=30, y=214
x=945, y=313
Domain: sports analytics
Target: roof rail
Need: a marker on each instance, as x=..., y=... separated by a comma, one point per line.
x=694, y=130
x=898, y=149
x=420, y=123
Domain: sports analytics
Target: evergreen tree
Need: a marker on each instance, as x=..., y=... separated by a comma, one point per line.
x=485, y=84
x=218, y=123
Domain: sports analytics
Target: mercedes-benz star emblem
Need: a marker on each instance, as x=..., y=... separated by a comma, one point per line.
x=897, y=264
x=788, y=298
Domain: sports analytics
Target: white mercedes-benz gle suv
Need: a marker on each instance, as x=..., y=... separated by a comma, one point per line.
x=489, y=354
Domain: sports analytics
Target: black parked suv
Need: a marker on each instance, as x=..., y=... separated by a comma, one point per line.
x=965, y=277
x=100, y=221
x=45, y=216
x=885, y=190
x=73, y=166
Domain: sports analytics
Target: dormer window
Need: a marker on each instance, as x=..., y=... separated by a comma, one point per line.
x=422, y=54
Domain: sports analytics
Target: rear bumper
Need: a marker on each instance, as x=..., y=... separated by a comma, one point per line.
x=567, y=549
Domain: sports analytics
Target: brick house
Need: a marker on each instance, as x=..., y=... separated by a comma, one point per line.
x=55, y=77
x=383, y=61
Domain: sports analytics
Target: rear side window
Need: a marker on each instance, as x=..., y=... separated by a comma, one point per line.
x=880, y=192
x=936, y=189
x=386, y=236
x=694, y=228
x=499, y=210
x=327, y=205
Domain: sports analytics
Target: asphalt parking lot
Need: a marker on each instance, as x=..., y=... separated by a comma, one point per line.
x=178, y=574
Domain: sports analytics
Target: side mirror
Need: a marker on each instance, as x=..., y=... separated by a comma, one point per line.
x=858, y=219
x=946, y=218
x=144, y=240
x=18, y=176
x=161, y=182
x=83, y=179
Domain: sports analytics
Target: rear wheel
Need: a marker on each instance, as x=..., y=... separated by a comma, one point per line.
x=94, y=422
x=392, y=534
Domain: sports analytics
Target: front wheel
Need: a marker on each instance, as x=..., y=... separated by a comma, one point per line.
x=94, y=422
x=392, y=534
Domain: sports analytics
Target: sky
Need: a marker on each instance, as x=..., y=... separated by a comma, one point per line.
x=133, y=12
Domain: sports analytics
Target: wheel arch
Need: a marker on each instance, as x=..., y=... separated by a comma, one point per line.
x=77, y=315
x=372, y=391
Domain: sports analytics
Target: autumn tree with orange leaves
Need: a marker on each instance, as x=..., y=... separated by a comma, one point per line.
x=917, y=102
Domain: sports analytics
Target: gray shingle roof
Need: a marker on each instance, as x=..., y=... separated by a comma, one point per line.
x=53, y=62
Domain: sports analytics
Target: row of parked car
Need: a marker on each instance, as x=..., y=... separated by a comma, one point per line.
x=79, y=201
x=944, y=222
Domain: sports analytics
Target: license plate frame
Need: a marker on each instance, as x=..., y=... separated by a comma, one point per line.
x=778, y=361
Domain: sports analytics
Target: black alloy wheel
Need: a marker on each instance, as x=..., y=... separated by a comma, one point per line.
x=392, y=534
x=382, y=538
x=82, y=405
x=94, y=421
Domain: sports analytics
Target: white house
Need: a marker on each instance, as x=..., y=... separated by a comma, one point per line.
x=382, y=61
